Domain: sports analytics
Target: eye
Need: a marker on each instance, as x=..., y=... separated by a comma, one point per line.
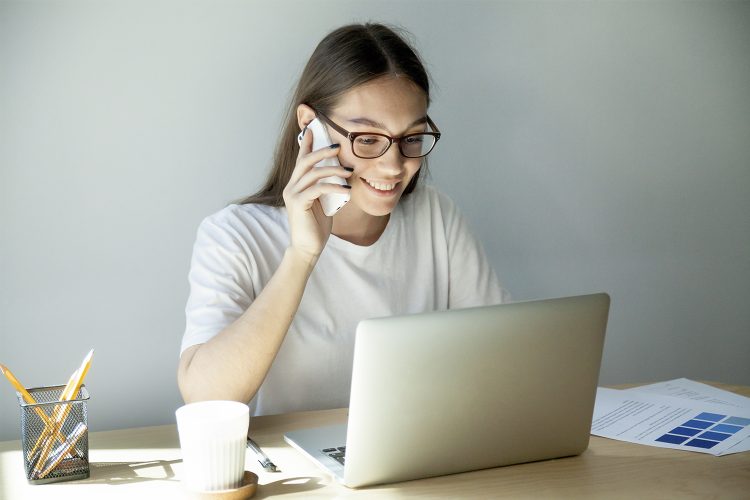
x=368, y=140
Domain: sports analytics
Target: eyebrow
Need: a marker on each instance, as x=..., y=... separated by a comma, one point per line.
x=372, y=123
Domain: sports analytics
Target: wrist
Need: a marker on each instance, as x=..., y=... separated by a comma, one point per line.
x=301, y=259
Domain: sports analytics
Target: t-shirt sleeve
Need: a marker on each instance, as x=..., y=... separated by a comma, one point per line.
x=472, y=279
x=220, y=281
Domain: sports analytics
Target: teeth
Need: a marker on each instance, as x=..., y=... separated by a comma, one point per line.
x=380, y=186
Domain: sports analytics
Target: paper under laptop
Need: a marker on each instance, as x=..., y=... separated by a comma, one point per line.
x=460, y=390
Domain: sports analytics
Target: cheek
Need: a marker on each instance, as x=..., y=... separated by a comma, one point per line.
x=347, y=158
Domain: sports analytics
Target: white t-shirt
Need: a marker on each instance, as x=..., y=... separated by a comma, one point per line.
x=425, y=260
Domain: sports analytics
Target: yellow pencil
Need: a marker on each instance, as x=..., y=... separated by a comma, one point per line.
x=60, y=414
x=29, y=399
x=64, y=448
x=49, y=425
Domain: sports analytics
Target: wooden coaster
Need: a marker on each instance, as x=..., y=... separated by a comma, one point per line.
x=246, y=490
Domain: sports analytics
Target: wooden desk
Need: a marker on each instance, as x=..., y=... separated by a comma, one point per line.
x=144, y=463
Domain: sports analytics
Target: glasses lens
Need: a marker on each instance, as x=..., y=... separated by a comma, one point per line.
x=416, y=145
x=370, y=145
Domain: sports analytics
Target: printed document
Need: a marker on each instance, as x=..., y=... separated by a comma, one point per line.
x=680, y=414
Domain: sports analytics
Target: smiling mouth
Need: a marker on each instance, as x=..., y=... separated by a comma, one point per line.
x=382, y=187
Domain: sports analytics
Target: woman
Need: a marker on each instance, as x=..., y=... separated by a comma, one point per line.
x=277, y=288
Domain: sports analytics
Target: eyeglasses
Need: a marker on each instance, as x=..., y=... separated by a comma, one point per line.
x=368, y=145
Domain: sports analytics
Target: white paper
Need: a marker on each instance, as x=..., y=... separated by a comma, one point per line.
x=696, y=391
x=670, y=422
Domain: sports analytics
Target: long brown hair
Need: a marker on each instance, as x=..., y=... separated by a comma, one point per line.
x=347, y=57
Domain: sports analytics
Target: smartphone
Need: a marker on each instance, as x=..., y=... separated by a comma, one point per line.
x=331, y=202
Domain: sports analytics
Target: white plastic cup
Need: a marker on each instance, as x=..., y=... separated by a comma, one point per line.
x=213, y=439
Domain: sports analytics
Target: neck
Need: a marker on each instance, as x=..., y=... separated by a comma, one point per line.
x=358, y=227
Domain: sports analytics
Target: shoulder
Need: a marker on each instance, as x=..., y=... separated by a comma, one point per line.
x=426, y=194
x=429, y=200
x=245, y=222
x=246, y=216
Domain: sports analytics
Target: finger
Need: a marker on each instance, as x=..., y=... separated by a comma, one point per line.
x=315, y=191
x=304, y=199
x=317, y=174
x=309, y=160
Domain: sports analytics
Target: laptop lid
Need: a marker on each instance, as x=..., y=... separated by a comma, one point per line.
x=460, y=390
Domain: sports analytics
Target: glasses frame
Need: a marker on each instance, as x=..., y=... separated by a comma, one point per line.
x=353, y=135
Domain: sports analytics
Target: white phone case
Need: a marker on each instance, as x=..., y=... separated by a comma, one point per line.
x=331, y=202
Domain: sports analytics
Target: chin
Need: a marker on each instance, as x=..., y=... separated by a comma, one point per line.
x=378, y=209
x=381, y=212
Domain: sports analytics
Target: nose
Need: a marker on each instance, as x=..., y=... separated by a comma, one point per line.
x=392, y=162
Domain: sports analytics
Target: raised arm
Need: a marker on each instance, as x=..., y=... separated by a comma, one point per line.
x=233, y=363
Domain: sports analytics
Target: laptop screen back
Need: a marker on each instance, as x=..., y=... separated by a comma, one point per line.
x=461, y=390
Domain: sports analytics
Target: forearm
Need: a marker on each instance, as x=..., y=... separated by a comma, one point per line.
x=233, y=364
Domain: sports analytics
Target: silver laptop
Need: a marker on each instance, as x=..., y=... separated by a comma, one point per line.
x=460, y=390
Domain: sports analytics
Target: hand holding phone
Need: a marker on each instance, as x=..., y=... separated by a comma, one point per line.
x=331, y=202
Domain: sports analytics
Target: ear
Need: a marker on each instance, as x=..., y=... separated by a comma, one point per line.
x=305, y=114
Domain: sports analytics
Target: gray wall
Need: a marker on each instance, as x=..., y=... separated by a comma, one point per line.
x=593, y=146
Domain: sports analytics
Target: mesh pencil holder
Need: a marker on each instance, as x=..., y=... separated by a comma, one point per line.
x=54, y=436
